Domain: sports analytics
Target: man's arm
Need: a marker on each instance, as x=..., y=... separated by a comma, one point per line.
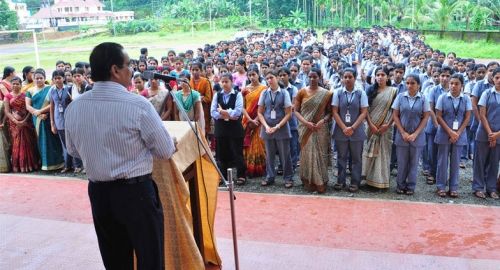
x=154, y=134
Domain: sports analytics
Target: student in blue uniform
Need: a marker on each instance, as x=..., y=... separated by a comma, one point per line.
x=410, y=114
x=432, y=123
x=350, y=107
x=398, y=75
x=453, y=111
x=478, y=89
x=487, y=148
x=275, y=109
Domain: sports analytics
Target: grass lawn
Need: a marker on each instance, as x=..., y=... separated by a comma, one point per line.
x=476, y=49
x=75, y=50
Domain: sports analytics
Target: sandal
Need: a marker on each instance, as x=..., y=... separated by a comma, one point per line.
x=410, y=192
x=494, y=195
x=453, y=194
x=241, y=181
x=338, y=186
x=288, y=184
x=353, y=188
x=479, y=194
x=266, y=183
x=431, y=180
x=400, y=191
x=441, y=193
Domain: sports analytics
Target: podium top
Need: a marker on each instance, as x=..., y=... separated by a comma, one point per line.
x=187, y=149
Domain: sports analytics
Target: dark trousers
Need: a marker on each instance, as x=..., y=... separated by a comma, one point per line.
x=468, y=150
x=448, y=154
x=432, y=151
x=485, y=173
x=394, y=153
x=282, y=147
x=408, y=157
x=230, y=155
x=69, y=161
x=127, y=218
x=349, y=152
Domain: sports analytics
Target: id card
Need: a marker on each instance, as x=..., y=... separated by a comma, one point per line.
x=60, y=108
x=455, y=125
x=348, y=118
x=273, y=114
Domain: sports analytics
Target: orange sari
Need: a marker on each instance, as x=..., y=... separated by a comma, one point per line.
x=254, y=151
x=204, y=87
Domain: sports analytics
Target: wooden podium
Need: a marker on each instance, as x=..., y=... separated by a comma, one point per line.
x=188, y=207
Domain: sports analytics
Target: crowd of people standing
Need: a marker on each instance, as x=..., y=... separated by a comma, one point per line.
x=367, y=102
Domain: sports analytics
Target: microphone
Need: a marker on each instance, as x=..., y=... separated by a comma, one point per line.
x=148, y=74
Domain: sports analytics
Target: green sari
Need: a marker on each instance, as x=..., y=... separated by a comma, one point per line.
x=49, y=145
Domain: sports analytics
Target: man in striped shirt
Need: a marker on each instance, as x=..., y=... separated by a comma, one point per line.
x=117, y=134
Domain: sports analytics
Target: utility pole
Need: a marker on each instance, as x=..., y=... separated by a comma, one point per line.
x=250, y=9
x=113, y=18
x=267, y=12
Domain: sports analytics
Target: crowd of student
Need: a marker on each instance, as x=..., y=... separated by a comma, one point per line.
x=378, y=100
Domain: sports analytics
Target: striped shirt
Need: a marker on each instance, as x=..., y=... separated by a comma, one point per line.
x=115, y=133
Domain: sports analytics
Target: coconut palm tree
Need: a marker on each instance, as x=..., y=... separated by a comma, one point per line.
x=443, y=11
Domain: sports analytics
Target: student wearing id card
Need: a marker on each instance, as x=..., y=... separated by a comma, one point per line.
x=350, y=107
x=453, y=110
x=487, y=144
x=410, y=114
x=59, y=100
x=275, y=109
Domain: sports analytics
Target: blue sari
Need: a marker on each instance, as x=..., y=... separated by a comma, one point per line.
x=49, y=145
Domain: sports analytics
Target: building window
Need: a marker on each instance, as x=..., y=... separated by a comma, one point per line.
x=66, y=9
x=77, y=9
x=87, y=9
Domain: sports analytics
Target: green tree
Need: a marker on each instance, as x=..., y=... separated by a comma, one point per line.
x=8, y=18
x=443, y=11
x=418, y=14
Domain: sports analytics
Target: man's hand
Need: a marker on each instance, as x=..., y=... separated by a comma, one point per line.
x=175, y=144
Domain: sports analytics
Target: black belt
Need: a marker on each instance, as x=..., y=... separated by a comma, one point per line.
x=126, y=181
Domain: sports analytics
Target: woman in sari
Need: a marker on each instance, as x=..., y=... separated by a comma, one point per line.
x=159, y=97
x=24, y=156
x=254, y=150
x=4, y=142
x=190, y=100
x=27, y=78
x=5, y=85
x=377, y=153
x=203, y=86
x=38, y=104
x=313, y=110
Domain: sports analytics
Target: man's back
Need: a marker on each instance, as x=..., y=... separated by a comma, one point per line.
x=115, y=133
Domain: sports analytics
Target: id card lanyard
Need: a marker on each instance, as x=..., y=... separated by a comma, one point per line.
x=60, y=107
x=349, y=102
x=412, y=105
x=273, y=103
x=455, y=110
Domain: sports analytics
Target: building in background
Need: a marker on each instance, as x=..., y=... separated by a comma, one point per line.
x=21, y=9
x=74, y=13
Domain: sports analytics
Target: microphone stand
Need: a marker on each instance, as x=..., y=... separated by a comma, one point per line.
x=228, y=183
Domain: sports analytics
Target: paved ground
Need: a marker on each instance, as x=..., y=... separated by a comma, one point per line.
x=45, y=223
